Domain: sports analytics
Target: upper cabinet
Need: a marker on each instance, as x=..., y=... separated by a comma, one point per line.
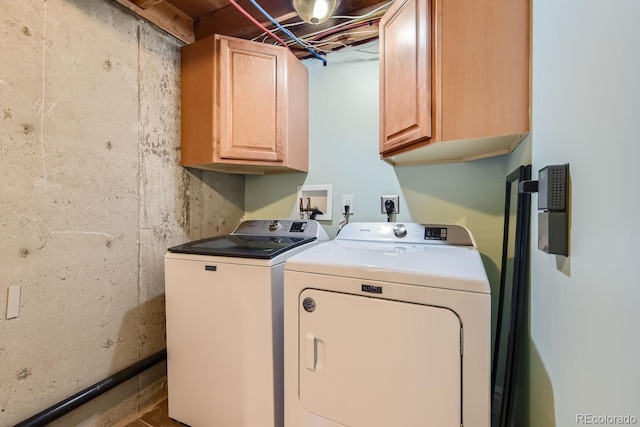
x=245, y=107
x=454, y=79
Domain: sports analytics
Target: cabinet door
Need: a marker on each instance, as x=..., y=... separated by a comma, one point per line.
x=368, y=362
x=405, y=75
x=251, y=101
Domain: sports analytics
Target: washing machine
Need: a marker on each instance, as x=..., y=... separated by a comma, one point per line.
x=224, y=302
x=388, y=325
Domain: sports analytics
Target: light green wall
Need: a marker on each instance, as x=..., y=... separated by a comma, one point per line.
x=583, y=350
x=344, y=152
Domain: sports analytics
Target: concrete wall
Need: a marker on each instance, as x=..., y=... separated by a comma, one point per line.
x=91, y=197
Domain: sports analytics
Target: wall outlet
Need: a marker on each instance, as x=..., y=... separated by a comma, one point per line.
x=347, y=201
x=393, y=199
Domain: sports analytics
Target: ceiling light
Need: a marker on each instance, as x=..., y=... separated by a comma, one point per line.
x=315, y=11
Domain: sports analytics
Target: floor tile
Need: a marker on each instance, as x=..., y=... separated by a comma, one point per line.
x=136, y=423
x=159, y=416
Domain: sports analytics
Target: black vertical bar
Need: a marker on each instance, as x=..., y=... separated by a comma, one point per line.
x=503, y=279
x=517, y=297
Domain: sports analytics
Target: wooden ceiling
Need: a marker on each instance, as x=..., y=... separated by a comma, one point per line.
x=191, y=20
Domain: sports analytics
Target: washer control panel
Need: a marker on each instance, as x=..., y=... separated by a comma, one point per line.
x=282, y=227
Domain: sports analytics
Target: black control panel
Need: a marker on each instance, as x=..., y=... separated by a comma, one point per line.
x=298, y=226
x=435, y=233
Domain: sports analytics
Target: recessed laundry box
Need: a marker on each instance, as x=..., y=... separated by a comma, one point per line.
x=388, y=325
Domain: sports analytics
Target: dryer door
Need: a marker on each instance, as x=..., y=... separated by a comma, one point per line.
x=369, y=362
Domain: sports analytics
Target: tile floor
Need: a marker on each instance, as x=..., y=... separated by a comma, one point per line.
x=157, y=416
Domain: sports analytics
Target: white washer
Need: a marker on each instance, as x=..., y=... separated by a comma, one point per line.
x=225, y=323
x=388, y=325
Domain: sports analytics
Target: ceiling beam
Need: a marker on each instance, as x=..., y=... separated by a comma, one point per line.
x=166, y=16
x=229, y=21
x=145, y=4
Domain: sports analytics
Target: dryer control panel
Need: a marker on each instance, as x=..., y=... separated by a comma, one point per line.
x=438, y=234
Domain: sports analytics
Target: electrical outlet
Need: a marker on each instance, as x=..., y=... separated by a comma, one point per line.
x=347, y=201
x=396, y=204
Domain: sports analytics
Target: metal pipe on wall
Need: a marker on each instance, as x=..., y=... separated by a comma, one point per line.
x=58, y=410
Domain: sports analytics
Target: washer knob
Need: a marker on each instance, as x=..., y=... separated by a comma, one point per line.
x=274, y=225
x=400, y=230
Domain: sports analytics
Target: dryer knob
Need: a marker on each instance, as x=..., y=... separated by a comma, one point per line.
x=400, y=230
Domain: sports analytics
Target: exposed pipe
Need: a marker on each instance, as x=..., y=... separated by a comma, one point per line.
x=58, y=410
x=252, y=19
x=329, y=32
x=313, y=53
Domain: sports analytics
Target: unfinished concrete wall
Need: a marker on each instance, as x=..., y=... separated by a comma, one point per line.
x=91, y=196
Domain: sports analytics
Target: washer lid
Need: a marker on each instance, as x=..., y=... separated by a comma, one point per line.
x=244, y=246
x=438, y=266
x=261, y=239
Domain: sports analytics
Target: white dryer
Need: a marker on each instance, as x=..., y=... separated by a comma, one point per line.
x=225, y=323
x=388, y=325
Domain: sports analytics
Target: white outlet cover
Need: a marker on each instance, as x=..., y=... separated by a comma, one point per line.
x=347, y=200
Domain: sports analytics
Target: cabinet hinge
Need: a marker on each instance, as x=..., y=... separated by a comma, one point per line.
x=461, y=342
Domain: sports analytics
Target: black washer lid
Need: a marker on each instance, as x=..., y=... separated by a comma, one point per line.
x=243, y=246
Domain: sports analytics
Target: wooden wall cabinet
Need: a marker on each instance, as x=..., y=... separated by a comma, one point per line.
x=245, y=107
x=454, y=79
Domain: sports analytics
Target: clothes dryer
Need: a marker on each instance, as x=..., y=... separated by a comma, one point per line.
x=388, y=325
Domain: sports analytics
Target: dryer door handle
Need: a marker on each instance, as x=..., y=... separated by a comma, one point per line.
x=311, y=351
